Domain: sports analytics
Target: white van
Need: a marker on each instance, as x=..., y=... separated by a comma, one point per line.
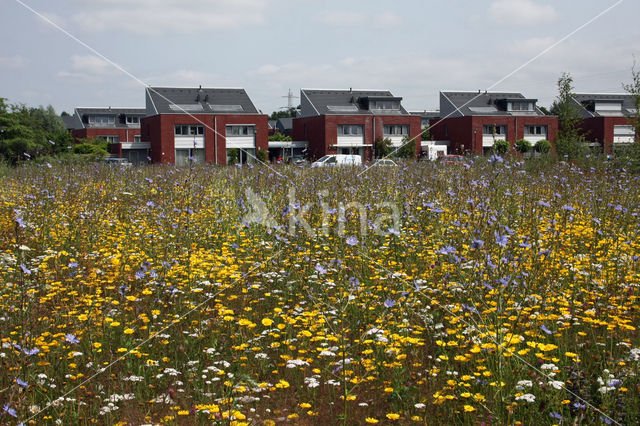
x=338, y=160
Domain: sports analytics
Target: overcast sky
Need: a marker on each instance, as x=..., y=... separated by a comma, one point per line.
x=415, y=48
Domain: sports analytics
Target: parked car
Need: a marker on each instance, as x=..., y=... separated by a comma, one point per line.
x=338, y=160
x=117, y=161
x=383, y=162
x=451, y=159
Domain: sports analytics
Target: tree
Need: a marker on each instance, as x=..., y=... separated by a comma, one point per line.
x=501, y=146
x=523, y=146
x=544, y=110
x=543, y=146
x=382, y=147
x=285, y=113
x=569, y=138
x=633, y=89
x=408, y=148
x=426, y=134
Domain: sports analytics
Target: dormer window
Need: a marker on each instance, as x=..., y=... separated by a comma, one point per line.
x=101, y=120
x=384, y=105
x=608, y=106
x=520, y=106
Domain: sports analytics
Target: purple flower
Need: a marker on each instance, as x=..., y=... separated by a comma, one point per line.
x=320, y=269
x=501, y=240
x=31, y=352
x=10, y=411
x=477, y=244
x=22, y=383
x=555, y=415
x=18, y=219
x=544, y=204
x=352, y=241
x=25, y=270
x=568, y=208
x=446, y=250
x=51, y=142
x=48, y=165
x=545, y=329
x=70, y=338
x=73, y=264
x=139, y=275
x=389, y=303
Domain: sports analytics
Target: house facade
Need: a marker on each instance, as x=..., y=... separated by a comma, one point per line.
x=471, y=122
x=606, y=119
x=118, y=126
x=212, y=125
x=350, y=121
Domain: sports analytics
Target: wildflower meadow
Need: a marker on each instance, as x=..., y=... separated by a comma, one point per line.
x=491, y=292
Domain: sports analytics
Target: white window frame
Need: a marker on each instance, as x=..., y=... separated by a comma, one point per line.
x=395, y=130
x=350, y=129
x=188, y=130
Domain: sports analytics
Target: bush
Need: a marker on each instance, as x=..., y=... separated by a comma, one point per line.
x=501, y=146
x=407, y=150
x=261, y=155
x=233, y=156
x=523, y=146
x=382, y=147
x=543, y=146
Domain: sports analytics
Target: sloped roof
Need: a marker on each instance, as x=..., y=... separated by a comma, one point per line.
x=485, y=103
x=586, y=102
x=285, y=123
x=349, y=102
x=181, y=100
x=81, y=115
x=71, y=122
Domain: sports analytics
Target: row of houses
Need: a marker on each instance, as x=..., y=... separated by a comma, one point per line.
x=221, y=125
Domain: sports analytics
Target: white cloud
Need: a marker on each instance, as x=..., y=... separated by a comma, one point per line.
x=159, y=17
x=87, y=68
x=15, y=61
x=522, y=12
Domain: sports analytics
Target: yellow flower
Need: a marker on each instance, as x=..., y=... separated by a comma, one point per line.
x=97, y=345
x=282, y=384
x=267, y=322
x=82, y=317
x=469, y=408
x=114, y=324
x=388, y=390
x=371, y=420
x=128, y=331
x=393, y=416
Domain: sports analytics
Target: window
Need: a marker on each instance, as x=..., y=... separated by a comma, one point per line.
x=132, y=119
x=520, y=106
x=137, y=138
x=240, y=130
x=535, y=130
x=608, y=106
x=350, y=130
x=384, y=105
x=110, y=139
x=186, y=156
x=491, y=129
x=396, y=130
x=101, y=120
x=189, y=130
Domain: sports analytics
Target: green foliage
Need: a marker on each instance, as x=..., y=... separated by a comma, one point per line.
x=569, y=139
x=407, y=150
x=523, y=146
x=426, y=134
x=27, y=133
x=233, y=156
x=285, y=113
x=501, y=147
x=382, y=147
x=262, y=155
x=280, y=137
x=633, y=89
x=543, y=146
x=93, y=148
x=544, y=110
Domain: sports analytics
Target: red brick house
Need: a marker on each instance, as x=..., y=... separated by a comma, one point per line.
x=471, y=122
x=119, y=126
x=350, y=121
x=606, y=118
x=212, y=125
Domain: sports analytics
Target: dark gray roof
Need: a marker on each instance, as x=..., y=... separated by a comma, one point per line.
x=82, y=115
x=346, y=102
x=426, y=114
x=272, y=124
x=586, y=103
x=453, y=103
x=177, y=100
x=71, y=122
x=285, y=123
